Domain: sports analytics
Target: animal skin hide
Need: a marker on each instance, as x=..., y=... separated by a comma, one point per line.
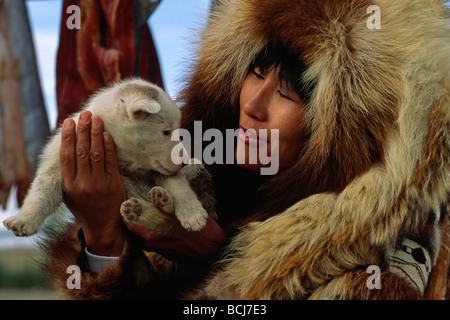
x=14, y=167
x=103, y=51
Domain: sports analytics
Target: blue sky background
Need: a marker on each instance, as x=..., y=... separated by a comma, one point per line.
x=174, y=25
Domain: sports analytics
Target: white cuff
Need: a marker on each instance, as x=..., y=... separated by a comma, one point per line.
x=98, y=263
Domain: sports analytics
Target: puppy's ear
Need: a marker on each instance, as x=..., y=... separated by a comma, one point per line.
x=142, y=109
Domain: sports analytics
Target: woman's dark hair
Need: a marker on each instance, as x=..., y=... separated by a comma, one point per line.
x=291, y=69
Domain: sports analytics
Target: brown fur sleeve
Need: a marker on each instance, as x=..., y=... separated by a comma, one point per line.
x=136, y=275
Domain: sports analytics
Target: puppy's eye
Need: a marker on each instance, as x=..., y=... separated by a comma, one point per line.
x=166, y=132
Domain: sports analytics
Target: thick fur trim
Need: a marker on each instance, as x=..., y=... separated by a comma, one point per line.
x=136, y=275
x=353, y=286
x=123, y=279
x=379, y=124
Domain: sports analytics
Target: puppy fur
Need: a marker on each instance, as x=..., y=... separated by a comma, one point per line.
x=137, y=114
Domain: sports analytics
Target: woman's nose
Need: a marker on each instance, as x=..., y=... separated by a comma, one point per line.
x=257, y=106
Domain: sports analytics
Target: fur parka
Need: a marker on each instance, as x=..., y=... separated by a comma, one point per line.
x=375, y=170
x=376, y=167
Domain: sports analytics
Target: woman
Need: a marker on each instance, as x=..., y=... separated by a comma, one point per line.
x=363, y=124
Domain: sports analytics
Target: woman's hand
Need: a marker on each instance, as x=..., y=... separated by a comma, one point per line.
x=94, y=191
x=182, y=245
x=93, y=188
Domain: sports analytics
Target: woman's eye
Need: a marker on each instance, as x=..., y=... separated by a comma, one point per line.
x=257, y=74
x=285, y=96
x=166, y=132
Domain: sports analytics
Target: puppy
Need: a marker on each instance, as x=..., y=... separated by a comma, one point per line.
x=141, y=118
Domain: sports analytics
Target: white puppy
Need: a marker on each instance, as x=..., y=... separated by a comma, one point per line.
x=140, y=116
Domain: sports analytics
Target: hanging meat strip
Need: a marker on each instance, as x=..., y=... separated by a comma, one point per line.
x=104, y=50
x=14, y=168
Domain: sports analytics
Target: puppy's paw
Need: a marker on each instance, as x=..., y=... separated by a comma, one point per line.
x=192, y=220
x=131, y=209
x=162, y=199
x=21, y=227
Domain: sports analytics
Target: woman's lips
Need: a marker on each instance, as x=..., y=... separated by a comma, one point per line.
x=250, y=137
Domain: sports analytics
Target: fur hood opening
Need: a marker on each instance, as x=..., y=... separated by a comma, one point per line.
x=374, y=87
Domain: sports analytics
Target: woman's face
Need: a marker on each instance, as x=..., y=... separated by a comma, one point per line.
x=266, y=104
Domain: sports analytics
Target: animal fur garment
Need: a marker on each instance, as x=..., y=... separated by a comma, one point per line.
x=376, y=167
x=374, y=171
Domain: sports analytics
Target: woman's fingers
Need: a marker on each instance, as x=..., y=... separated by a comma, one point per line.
x=88, y=155
x=67, y=151
x=83, y=145
x=111, y=167
x=97, y=152
x=180, y=244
